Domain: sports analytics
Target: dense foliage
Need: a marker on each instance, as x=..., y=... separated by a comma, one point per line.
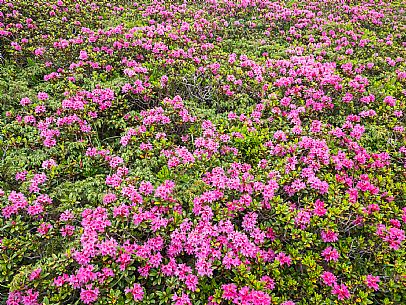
x=202, y=152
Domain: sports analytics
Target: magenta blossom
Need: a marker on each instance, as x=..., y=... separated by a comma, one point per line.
x=137, y=292
x=341, y=291
x=372, y=282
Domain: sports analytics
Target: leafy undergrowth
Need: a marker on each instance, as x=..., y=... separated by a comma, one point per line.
x=202, y=152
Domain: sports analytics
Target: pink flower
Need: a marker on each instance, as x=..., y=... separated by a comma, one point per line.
x=302, y=219
x=341, y=291
x=328, y=278
x=319, y=209
x=66, y=215
x=44, y=228
x=329, y=236
x=109, y=198
x=137, y=292
x=35, y=274
x=39, y=51
x=229, y=291
x=284, y=259
x=164, y=80
x=115, y=161
x=67, y=230
x=25, y=101
x=35, y=209
x=42, y=96
x=330, y=254
x=191, y=282
x=146, y=188
x=259, y=298
x=14, y=298
x=393, y=236
x=182, y=300
x=316, y=126
x=40, y=109
x=30, y=297
x=270, y=283
x=21, y=176
x=249, y=221
x=390, y=100
x=163, y=191
x=89, y=295
x=204, y=267
x=280, y=135
x=48, y=164
x=83, y=55
x=372, y=282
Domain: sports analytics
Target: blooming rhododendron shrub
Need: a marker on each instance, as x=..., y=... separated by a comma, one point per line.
x=202, y=152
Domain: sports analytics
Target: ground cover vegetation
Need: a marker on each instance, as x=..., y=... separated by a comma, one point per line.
x=202, y=152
